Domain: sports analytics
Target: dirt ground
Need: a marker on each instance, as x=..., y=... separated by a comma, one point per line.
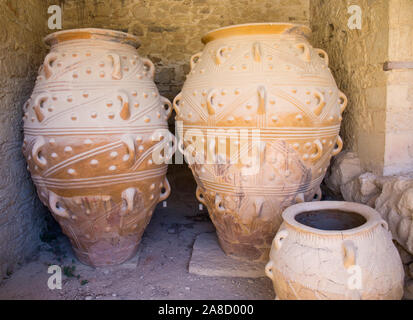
x=159, y=271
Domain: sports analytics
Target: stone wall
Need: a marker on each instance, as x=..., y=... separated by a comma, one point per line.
x=171, y=30
x=398, y=157
x=377, y=122
x=21, y=52
x=356, y=60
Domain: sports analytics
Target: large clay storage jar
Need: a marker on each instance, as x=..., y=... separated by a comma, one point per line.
x=267, y=83
x=91, y=124
x=334, y=250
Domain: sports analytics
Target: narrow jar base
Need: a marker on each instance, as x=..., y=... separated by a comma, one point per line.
x=244, y=251
x=104, y=253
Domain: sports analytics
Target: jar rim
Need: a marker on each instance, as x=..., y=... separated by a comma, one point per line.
x=257, y=28
x=372, y=217
x=91, y=34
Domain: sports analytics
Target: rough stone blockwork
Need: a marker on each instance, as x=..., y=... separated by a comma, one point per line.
x=377, y=121
x=21, y=52
x=171, y=30
x=356, y=60
x=398, y=155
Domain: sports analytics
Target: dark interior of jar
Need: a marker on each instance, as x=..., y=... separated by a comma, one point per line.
x=333, y=220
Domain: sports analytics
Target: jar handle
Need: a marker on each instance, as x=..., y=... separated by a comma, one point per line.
x=219, y=54
x=349, y=254
x=210, y=104
x=268, y=270
x=39, y=160
x=128, y=195
x=124, y=100
x=337, y=150
x=279, y=238
x=200, y=196
x=151, y=67
x=176, y=103
x=306, y=55
x=262, y=100
x=164, y=195
x=218, y=203
x=385, y=225
x=256, y=51
x=116, y=64
x=193, y=60
x=319, y=151
x=321, y=104
x=47, y=65
x=57, y=210
x=323, y=55
x=127, y=139
x=38, y=109
x=343, y=104
x=168, y=110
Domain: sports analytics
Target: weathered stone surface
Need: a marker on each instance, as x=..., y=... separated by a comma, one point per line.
x=362, y=189
x=377, y=121
x=395, y=204
x=345, y=167
x=208, y=259
x=21, y=52
x=356, y=60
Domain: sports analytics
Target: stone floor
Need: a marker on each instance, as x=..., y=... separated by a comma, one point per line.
x=159, y=271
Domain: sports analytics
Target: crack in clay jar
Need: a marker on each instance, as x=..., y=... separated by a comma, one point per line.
x=267, y=80
x=334, y=250
x=91, y=125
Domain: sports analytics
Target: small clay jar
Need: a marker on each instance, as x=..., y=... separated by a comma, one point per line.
x=334, y=250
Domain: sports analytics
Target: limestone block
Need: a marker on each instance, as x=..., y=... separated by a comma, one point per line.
x=363, y=189
x=346, y=166
x=208, y=259
x=395, y=204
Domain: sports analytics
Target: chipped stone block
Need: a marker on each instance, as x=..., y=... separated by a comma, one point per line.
x=363, y=189
x=395, y=204
x=346, y=166
x=208, y=259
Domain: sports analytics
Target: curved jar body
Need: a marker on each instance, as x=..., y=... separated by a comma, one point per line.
x=270, y=99
x=90, y=127
x=358, y=260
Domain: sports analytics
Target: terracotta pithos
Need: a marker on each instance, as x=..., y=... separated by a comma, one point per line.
x=265, y=82
x=334, y=250
x=91, y=125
